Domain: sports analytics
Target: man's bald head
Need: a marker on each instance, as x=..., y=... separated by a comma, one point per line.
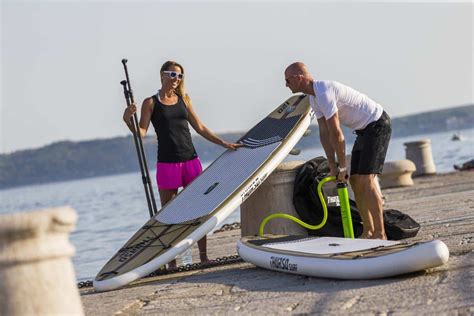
x=298, y=78
x=297, y=68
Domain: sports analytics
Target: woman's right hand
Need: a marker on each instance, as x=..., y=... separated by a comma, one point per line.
x=128, y=113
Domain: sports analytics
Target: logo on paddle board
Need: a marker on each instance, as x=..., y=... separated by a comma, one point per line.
x=282, y=263
x=126, y=253
x=283, y=107
x=286, y=109
x=252, y=187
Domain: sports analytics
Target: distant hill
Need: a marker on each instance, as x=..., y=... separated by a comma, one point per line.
x=452, y=119
x=68, y=160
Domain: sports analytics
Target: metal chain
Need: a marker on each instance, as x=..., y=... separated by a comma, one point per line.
x=195, y=266
x=189, y=267
x=227, y=227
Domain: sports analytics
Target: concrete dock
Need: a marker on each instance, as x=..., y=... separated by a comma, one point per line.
x=442, y=204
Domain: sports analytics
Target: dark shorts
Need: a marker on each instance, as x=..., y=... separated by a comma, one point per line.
x=370, y=147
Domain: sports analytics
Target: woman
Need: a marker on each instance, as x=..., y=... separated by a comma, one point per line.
x=169, y=111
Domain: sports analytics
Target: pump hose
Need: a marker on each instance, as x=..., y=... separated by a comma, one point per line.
x=297, y=220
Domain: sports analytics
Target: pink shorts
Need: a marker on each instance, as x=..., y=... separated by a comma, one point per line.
x=173, y=175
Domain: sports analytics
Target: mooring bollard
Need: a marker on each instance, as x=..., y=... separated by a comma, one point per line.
x=397, y=173
x=420, y=153
x=275, y=195
x=36, y=273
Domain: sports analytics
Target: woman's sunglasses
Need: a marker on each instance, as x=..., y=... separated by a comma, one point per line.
x=174, y=74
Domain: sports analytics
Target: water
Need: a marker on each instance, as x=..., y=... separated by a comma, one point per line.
x=112, y=208
x=445, y=152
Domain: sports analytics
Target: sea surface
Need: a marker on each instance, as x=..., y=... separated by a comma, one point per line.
x=111, y=209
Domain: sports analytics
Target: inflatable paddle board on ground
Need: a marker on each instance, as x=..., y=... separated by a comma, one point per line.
x=341, y=258
x=209, y=199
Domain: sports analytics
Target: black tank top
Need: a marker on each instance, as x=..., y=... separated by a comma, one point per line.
x=172, y=130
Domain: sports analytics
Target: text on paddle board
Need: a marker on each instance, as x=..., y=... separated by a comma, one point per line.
x=252, y=187
x=282, y=263
x=283, y=107
x=125, y=253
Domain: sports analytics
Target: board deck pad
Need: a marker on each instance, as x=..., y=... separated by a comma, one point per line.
x=341, y=258
x=328, y=245
x=210, y=189
x=211, y=197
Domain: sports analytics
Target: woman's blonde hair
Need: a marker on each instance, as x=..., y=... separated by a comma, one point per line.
x=180, y=89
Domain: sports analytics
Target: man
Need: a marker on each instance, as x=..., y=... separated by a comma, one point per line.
x=335, y=104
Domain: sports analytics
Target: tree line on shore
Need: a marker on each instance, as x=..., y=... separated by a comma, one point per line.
x=67, y=160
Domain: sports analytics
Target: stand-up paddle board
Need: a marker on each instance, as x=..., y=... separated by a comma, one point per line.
x=211, y=197
x=341, y=258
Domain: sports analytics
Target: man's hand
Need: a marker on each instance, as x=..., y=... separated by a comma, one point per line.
x=333, y=169
x=343, y=176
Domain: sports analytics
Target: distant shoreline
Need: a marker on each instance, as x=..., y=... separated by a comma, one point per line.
x=67, y=160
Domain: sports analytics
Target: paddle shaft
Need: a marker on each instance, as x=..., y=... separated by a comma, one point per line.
x=150, y=198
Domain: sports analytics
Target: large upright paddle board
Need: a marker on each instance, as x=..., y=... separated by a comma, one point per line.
x=341, y=258
x=211, y=197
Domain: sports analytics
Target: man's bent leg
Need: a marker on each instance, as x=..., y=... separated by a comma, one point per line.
x=373, y=200
x=367, y=221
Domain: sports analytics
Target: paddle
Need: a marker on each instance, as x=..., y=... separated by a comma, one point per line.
x=150, y=198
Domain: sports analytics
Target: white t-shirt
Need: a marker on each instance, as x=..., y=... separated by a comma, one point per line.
x=355, y=109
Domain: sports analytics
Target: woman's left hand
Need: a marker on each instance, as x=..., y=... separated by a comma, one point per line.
x=231, y=145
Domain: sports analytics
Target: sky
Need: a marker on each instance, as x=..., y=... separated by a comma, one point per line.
x=61, y=60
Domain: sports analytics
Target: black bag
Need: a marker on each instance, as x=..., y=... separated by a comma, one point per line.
x=399, y=225
x=308, y=206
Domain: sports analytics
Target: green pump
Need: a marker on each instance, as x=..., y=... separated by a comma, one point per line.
x=345, y=209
